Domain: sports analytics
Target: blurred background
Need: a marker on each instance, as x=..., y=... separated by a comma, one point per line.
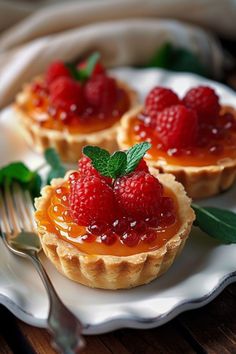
x=181, y=35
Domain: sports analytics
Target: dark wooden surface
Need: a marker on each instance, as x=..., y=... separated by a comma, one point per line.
x=211, y=329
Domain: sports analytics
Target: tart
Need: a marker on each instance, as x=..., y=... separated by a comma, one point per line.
x=193, y=138
x=71, y=106
x=116, y=230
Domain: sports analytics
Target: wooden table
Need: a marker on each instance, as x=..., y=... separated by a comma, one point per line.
x=211, y=329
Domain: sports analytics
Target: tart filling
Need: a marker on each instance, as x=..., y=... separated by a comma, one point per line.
x=215, y=145
x=70, y=106
x=97, y=228
x=102, y=239
x=193, y=138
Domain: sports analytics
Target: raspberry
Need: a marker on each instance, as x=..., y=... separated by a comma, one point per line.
x=142, y=166
x=67, y=94
x=98, y=68
x=56, y=70
x=91, y=200
x=158, y=99
x=101, y=92
x=177, y=127
x=138, y=194
x=204, y=101
x=86, y=168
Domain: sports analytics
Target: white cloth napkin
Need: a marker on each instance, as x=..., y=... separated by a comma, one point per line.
x=126, y=32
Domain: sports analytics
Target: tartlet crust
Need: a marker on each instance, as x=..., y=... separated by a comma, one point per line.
x=116, y=272
x=69, y=146
x=199, y=182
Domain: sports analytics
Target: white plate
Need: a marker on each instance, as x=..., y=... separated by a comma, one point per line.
x=203, y=270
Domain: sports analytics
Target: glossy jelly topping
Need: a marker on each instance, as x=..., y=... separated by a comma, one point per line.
x=123, y=237
x=214, y=145
x=39, y=107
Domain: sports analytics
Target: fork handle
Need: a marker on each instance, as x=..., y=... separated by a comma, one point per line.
x=62, y=324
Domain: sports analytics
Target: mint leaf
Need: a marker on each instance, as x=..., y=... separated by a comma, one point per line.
x=218, y=223
x=135, y=154
x=57, y=169
x=117, y=164
x=99, y=158
x=85, y=73
x=19, y=172
x=91, y=62
x=162, y=57
x=177, y=59
x=75, y=73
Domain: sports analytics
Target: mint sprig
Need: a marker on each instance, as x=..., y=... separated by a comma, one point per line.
x=135, y=154
x=217, y=223
x=177, y=59
x=19, y=172
x=84, y=73
x=117, y=164
x=30, y=179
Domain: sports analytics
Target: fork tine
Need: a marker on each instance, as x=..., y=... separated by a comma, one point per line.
x=5, y=226
x=13, y=220
x=30, y=208
x=22, y=204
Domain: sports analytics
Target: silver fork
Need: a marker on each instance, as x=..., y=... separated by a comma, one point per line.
x=19, y=235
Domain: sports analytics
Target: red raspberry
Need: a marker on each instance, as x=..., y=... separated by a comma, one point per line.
x=66, y=94
x=142, y=166
x=98, y=69
x=55, y=70
x=138, y=194
x=91, y=200
x=158, y=99
x=86, y=168
x=204, y=101
x=101, y=92
x=177, y=127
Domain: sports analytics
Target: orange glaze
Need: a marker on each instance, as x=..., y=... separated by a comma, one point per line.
x=221, y=149
x=56, y=219
x=39, y=109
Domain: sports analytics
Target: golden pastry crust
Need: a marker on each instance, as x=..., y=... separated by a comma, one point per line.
x=69, y=146
x=199, y=182
x=116, y=272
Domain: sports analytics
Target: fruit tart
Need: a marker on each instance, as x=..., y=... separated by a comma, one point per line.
x=113, y=223
x=194, y=138
x=71, y=106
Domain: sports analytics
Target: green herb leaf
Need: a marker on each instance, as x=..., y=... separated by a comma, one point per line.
x=177, y=59
x=218, y=223
x=99, y=158
x=117, y=164
x=75, y=73
x=19, y=172
x=135, y=154
x=91, y=62
x=85, y=73
x=57, y=169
